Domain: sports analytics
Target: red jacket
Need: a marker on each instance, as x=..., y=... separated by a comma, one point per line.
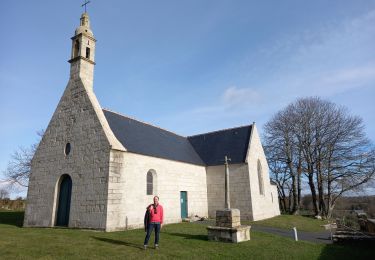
x=158, y=216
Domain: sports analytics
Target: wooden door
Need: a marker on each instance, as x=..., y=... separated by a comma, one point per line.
x=183, y=202
x=63, y=209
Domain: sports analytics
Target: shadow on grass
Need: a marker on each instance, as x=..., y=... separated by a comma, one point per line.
x=14, y=218
x=304, y=215
x=188, y=236
x=348, y=250
x=118, y=242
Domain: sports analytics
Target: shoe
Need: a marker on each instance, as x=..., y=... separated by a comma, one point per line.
x=157, y=247
x=144, y=247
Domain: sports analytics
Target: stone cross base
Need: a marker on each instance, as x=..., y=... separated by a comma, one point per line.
x=228, y=218
x=228, y=227
x=224, y=234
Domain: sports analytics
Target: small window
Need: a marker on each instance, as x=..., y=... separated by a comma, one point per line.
x=87, y=52
x=260, y=178
x=150, y=182
x=67, y=148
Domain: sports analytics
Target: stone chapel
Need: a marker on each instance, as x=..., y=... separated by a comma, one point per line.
x=98, y=169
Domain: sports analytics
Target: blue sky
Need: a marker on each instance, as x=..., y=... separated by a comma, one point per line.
x=187, y=66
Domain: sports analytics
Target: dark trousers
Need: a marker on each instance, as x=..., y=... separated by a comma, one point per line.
x=150, y=227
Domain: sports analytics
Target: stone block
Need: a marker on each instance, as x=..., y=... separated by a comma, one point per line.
x=231, y=235
x=228, y=218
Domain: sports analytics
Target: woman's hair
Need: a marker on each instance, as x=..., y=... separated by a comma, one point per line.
x=154, y=206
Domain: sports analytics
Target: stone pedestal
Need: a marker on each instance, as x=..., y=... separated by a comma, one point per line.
x=228, y=218
x=228, y=227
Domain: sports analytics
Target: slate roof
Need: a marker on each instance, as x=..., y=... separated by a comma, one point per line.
x=204, y=149
x=213, y=147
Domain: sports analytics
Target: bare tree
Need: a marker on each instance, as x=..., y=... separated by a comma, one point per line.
x=350, y=159
x=280, y=176
x=4, y=194
x=284, y=156
x=322, y=144
x=19, y=167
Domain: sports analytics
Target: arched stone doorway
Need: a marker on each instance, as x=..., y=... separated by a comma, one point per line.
x=63, y=202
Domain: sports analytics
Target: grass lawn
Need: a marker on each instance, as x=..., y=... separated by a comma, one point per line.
x=302, y=223
x=185, y=240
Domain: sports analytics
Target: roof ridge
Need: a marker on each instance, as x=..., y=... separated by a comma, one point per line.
x=221, y=130
x=142, y=122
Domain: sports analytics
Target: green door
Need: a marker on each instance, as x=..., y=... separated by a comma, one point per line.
x=63, y=209
x=183, y=202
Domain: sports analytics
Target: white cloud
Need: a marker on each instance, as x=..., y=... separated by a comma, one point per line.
x=235, y=106
x=351, y=76
x=233, y=100
x=234, y=96
x=343, y=80
x=335, y=58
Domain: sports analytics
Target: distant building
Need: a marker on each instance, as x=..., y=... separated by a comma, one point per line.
x=98, y=169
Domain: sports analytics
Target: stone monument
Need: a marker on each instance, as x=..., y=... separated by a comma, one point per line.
x=228, y=221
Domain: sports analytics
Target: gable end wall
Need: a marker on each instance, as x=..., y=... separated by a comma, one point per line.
x=75, y=120
x=267, y=205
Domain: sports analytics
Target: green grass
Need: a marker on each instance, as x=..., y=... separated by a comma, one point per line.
x=185, y=240
x=302, y=223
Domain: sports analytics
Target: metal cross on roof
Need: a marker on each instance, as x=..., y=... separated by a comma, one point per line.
x=86, y=3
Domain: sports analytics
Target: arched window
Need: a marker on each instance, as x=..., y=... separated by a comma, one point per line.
x=151, y=182
x=260, y=178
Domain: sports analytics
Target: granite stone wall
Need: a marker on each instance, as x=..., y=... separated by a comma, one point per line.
x=75, y=121
x=240, y=196
x=127, y=199
x=245, y=192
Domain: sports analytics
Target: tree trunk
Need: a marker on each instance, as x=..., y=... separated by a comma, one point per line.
x=320, y=193
x=294, y=210
x=282, y=198
x=290, y=201
x=313, y=194
x=299, y=172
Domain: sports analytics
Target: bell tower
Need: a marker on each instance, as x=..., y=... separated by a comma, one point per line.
x=82, y=60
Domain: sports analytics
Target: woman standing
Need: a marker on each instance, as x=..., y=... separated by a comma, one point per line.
x=153, y=220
